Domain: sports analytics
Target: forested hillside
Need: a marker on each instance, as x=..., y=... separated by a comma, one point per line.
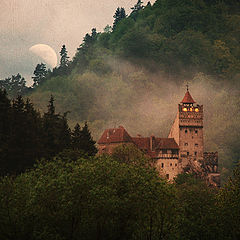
x=134, y=73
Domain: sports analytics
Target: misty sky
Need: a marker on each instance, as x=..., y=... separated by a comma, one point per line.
x=24, y=23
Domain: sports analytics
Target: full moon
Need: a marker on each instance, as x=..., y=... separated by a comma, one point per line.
x=46, y=53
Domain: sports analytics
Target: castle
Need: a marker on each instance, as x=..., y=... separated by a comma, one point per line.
x=182, y=151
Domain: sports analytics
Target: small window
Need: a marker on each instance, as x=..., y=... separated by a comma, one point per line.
x=185, y=144
x=175, y=164
x=164, y=151
x=195, y=153
x=187, y=153
x=167, y=175
x=170, y=164
x=174, y=151
x=162, y=165
x=196, y=131
x=186, y=131
x=196, y=144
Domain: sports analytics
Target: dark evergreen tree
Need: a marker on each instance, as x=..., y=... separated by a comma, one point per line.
x=87, y=144
x=21, y=142
x=76, y=137
x=40, y=74
x=16, y=85
x=5, y=124
x=94, y=33
x=64, y=62
x=138, y=6
x=51, y=107
x=57, y=135
x=118, y=16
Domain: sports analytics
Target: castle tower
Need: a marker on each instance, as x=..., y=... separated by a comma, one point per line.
x=187, y=131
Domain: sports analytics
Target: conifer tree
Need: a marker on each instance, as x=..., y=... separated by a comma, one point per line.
x=15, y=85
x=64, y=62
x=76, y=137
x=118, y=16
x=57, y=134
x=138, y=6
x=5, y=111
x=87, y=144
x=40, y=73
x=51, y=107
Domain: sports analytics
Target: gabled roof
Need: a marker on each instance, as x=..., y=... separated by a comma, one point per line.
x=166, y=143
x=120, y=135
x=142, y=142
x=115, y=135
x=187, y=98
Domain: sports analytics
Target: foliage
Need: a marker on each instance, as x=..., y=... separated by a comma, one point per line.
x=130, y=154
x=76, y=196
x=118, y=16
x=96, y=198
x=229, y=202
x=142, y=60
x=15, y=85
x=40, y=73
x=26, y=136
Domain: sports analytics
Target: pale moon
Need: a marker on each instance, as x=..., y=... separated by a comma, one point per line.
x=46, y=53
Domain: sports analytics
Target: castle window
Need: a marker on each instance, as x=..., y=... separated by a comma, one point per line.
x=162, y=165
x=170, y=164
x=187, y=153
x=174, y=151
x=196, y=145
x=185, y=144
x=186, y=131
x=195, y=153
x=167, y=175
x=175, y=164
x=196, y=131
x=164, y=151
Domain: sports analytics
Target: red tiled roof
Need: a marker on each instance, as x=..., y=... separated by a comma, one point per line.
x=120, y=135
x=187, y=98
x=115, y=135
x=160, y=143
x=166, y=143
x=142, y=142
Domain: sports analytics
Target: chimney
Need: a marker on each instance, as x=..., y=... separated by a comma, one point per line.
x=152, y=143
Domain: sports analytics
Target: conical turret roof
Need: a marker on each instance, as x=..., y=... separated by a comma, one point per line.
x=187, y=98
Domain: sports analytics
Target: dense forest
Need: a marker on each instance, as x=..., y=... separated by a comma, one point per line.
x=27, y=136
x=52, y=183
x=114, y=197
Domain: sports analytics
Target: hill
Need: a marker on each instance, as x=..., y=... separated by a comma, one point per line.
x=134, y=74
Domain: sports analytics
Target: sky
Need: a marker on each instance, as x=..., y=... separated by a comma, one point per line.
x=24, y=23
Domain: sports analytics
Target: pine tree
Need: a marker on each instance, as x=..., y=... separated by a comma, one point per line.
x=5, y=124
x=40, y=73
x=57, y=135
x=76, y=137
x=118, y=16
x=138, y=6
x=51, y=107
x=64, y=62
x=87, y=144
x=15, y=85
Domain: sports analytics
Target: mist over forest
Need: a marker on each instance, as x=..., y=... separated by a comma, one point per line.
x=135, y=73
x=54, y=185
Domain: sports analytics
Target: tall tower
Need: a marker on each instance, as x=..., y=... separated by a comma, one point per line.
x=187, y=131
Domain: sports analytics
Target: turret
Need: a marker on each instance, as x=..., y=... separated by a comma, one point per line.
x=187, y=130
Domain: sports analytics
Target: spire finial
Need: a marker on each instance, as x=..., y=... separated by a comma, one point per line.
x=187, y=86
